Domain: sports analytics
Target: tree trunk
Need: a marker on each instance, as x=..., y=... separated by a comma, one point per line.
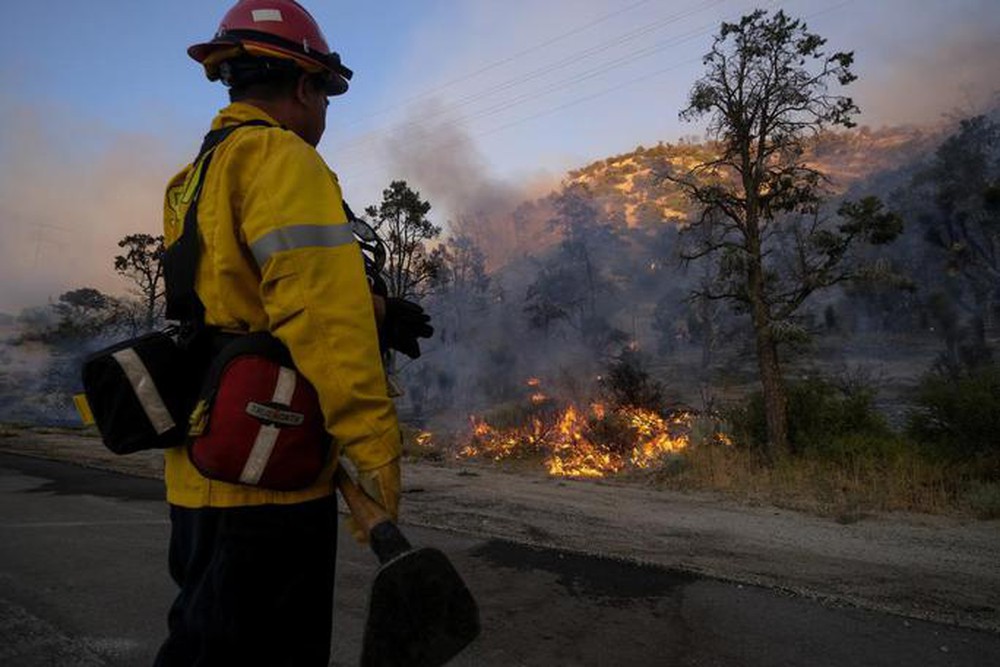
x=775, y=399
x=708, y=335
x=150, y=312
x=768, y=363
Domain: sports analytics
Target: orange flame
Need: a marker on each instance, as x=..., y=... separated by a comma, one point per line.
x=577, y=444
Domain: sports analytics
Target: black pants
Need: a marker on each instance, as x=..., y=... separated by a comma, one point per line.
x=256, y=585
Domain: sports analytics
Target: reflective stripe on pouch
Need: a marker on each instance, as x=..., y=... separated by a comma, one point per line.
x=300, y=236
x=267, y=436
x=285, y=388
x=145, y=390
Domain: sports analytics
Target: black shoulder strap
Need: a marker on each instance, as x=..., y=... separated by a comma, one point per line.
x=180, y=261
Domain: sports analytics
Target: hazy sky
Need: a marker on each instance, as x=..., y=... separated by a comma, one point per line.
x=101, y=104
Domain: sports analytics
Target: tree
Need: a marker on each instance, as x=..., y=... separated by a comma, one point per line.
x=463, y=267
x=765, y=92
x=78, y=315
x=401, y=218
x=142, y=265
x=549, y=299
x=575, y=284
x=577, y=219
x=79, y=322
x=84, y=312
x=962, y=221
x=461, y=284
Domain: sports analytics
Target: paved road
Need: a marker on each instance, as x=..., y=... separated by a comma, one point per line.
x=83, y=582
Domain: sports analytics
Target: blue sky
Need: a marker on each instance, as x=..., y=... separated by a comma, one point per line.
x=460, y=97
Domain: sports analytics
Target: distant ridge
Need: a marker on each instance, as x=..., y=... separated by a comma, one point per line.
x=627, y=189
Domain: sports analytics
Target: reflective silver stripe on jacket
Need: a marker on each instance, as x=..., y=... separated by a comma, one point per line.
x=267, y=436
x=300, y=236
x=145, y=390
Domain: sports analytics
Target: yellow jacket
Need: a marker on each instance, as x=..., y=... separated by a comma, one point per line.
x=277, y=255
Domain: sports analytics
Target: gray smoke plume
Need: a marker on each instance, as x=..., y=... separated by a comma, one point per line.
x=70, y=188
x=959, y=75
x=69, y=191
x=434, y=152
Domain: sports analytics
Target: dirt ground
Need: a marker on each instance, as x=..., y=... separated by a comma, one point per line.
x=937, y=568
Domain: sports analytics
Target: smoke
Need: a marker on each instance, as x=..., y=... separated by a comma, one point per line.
x=69, y=190
x=38, y=379
x=958, y=74
x=434, y=152
x=486, y=344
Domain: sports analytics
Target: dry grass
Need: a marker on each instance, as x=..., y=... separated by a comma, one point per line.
x=865, y=478
x=846, y=490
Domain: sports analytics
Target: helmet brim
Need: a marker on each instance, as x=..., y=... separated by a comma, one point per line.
x=203, y=53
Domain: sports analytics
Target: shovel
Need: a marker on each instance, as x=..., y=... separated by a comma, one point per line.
x=420, y=613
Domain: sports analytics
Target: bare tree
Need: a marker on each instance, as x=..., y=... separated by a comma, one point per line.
x=142, y=265
x=765, y=92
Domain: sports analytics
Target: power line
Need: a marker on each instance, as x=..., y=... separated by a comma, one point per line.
x=603, y=69
x=633, y=81
x=566, y=83
x=555, y=109
x=606, y=91
x=499, y=63
x=573, y=58
x=559, y=84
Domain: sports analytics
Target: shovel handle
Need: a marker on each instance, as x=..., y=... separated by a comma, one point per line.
x=365, y=511
x=386, y=540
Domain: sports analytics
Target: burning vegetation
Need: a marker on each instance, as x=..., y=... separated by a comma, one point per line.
x=573, y=441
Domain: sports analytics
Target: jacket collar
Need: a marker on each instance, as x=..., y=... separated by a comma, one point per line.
x=240, y=112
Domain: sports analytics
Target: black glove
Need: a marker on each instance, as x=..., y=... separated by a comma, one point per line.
x=405, y=322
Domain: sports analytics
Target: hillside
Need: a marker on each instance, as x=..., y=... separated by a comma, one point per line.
x=626, y=192
x=627, y=189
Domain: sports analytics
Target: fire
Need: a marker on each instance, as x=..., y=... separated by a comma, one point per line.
x=722, y=439
x=585, y=443
x=537, y=397
x=499, y=444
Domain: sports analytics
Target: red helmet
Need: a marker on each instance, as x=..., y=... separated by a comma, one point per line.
x=272, y=29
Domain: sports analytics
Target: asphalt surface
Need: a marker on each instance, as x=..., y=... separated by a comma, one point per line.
x=83, y=582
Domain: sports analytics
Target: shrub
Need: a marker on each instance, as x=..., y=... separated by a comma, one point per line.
x=627, y=383
x=983, y=499
x=823, y=418
x=612, y=432
x=959, y=412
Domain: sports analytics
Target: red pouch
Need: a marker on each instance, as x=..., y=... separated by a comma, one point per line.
x=258, y=420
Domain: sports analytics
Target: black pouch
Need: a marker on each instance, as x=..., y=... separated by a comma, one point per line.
x=141, y=392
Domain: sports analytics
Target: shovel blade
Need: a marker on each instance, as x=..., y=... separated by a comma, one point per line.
x=421, y=613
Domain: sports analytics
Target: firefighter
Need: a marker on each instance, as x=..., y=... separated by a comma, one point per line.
x=255, y=567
